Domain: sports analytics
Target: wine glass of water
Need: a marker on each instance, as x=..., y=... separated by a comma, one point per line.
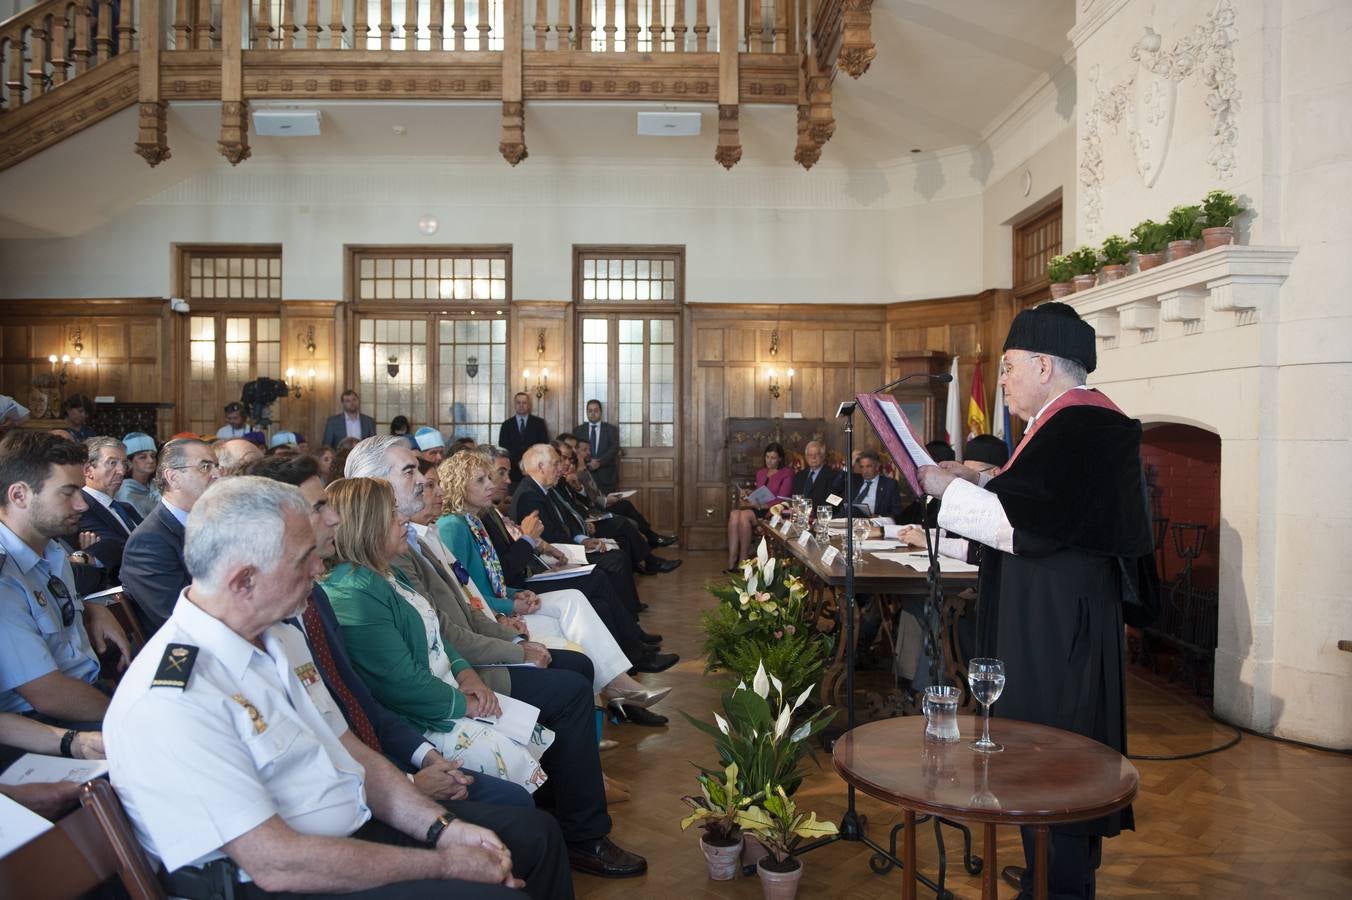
x=987, y=680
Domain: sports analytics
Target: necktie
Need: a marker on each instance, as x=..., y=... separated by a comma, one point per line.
x=595, y=442
x=323, y=654
x=121, y=510
x=811, y=478
x=863, y=491
x=521, y=424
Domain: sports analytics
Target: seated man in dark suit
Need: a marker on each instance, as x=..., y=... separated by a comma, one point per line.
x=602, y=502
x=111, y=520
x=520, y=431
x=604, y=440
x=351, y=422
x=817, y=480
x=153, y=570
x=873, y=491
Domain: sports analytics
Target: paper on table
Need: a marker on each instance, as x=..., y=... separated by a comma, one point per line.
x=517, y=720
x=920, y=562
x=34, y=768
x=568, y=571
x=878, y=545
x=18, y=825
x=838, y=523
x=619, y=495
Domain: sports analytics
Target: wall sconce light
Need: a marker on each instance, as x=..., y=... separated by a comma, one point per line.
x=774, y=383
x=61, y=368
x=309, y=337
x=293, y=382
x=541, y=386
x=77, y=341
x=774, y=342
x=392, y=366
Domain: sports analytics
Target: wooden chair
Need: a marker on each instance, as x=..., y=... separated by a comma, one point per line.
x=85, y=849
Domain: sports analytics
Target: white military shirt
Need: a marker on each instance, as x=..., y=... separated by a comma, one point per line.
x=252, y=734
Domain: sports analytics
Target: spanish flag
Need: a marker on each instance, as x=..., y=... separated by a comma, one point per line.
x=977, y=422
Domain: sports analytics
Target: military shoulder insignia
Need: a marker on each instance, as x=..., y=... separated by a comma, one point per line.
x=175, y=666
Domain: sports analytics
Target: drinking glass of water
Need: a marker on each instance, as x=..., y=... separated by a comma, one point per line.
x=987, y=680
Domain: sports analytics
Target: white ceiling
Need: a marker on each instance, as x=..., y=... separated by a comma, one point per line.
x=944, y=70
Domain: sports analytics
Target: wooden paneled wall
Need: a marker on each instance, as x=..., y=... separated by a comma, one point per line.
x=308, y=413
x=555, y=319
x=126, y=342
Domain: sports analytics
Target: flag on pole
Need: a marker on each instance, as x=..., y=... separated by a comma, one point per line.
x=977, y=422
x=1000, y=414
x=952, y=417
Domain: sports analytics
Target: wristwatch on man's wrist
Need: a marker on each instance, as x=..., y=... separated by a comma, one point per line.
x=437, y=827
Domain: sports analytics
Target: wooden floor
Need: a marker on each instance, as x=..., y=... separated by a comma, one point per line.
x=1262, y=819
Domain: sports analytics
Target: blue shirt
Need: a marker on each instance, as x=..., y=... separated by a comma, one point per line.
x=33, y=642
x=176, y=512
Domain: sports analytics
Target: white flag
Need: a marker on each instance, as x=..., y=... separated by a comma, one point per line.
x=953, y=416
x=998, y=412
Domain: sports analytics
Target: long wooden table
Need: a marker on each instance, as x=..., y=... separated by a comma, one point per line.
x=890, y=583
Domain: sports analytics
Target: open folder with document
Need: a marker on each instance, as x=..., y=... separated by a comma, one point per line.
x=889, y=420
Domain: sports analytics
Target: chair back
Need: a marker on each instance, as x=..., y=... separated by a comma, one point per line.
x=85, y=849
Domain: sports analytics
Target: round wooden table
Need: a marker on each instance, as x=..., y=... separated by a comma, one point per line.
x=1044, y=776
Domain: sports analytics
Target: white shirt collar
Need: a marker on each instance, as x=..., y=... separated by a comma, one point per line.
x=100, y=496
x=229, y=647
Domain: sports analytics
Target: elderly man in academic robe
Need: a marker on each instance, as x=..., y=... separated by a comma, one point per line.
x=1069, y=528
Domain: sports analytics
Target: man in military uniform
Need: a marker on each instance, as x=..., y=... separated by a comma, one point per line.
x=234, y=762
x=48, y=637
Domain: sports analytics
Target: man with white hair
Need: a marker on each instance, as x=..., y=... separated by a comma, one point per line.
x=154, y=572
x=559, y=683
x=233, y=760
x=236, y=453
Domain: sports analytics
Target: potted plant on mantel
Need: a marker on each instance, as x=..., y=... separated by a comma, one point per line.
x=781, y=825
x=1148, y=239
x=1116, y=254
x=716, y=812
x=1185, y=229
x=1059, y=275
x=1083, y=264
x=1219, y=209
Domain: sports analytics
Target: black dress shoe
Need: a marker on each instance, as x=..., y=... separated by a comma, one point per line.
x=657, y=565
x=621, y=713
x=657, y=662
x=642, y=607
x=662, y=540
x=602, y=858
x=1013, y=875
x=647, y=638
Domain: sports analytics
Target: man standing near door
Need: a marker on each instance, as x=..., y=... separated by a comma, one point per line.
x=521, y=430
x=604, y=439
x=351, y=422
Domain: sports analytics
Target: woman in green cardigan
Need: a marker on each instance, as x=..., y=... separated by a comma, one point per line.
x=467, y=488
x=394, y=639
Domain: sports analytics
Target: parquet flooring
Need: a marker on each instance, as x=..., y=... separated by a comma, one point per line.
x=1262, y=819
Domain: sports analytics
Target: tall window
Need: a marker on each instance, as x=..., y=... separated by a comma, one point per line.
x=234, y=331
x=432, y=335
x=1036, y=241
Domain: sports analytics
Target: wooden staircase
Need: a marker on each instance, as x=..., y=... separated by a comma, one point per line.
x=68, y=65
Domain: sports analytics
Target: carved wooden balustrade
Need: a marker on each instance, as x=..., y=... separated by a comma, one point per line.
x=68, y=64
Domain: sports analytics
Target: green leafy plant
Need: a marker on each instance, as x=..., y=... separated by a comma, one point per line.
x=1184, y=223
x=1116, y=250
x=1219, y=209
x=1083, y=261
x=759, y=736
x=1058, y=270
x=1149, y=236
x=781, y=826
x=717, y=810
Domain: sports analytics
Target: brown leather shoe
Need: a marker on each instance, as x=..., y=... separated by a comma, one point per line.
x=602, y=858
x=1013, y=875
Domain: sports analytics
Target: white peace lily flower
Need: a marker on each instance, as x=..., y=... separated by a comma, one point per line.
x=747, y=566
x=802, y=698
x=751, y=584
x=762, y=553
x=782, y=723
x=741, y=686
x=761, y=684
x=779, y=685
x=722, y=723
x=768, y=570
x=799, y=733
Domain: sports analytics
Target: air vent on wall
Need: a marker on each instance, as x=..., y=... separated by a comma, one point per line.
x=286, y=122
x=668, y=124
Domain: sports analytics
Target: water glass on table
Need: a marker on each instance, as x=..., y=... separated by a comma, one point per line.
x=986, y=677
x=941, y=712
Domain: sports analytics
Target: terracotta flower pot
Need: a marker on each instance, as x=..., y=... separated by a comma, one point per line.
x=1180, y=249
x=753, y=851
x=779, y=885
x=1146, y=261
x=1217, y=237
x=1112, y=273
x=723, y=861
x=1061, y=288
x=1083, y=282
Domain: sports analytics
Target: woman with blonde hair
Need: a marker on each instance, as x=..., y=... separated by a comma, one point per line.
x=468, y=488
x=394, y=638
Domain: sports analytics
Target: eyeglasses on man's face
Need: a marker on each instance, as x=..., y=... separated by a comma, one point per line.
x=1006, y=366
x=205, y=466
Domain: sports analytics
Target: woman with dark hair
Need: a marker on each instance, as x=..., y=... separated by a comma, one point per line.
x=775, y=476
x=79, y=410
x=399, y=425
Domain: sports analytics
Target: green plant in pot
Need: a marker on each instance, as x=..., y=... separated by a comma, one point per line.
x=1148, y=239
x=1219, y=211
x=1059, y=276
x=1116, y=253
x=716, y=812
x=781, y=826
x=1184, y=227
x=1084, y=263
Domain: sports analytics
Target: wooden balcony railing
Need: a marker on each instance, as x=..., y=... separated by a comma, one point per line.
x=65, y=65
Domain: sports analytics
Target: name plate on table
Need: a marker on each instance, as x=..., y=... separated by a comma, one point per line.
x=834, y=500
x=829, y=555
x=774, y=521
x=785, y=526
x=804, y=538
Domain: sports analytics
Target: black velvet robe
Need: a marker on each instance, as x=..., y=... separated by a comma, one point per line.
x=1053, y=609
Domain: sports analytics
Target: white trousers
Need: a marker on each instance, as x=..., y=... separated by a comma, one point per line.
x=568, y=614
